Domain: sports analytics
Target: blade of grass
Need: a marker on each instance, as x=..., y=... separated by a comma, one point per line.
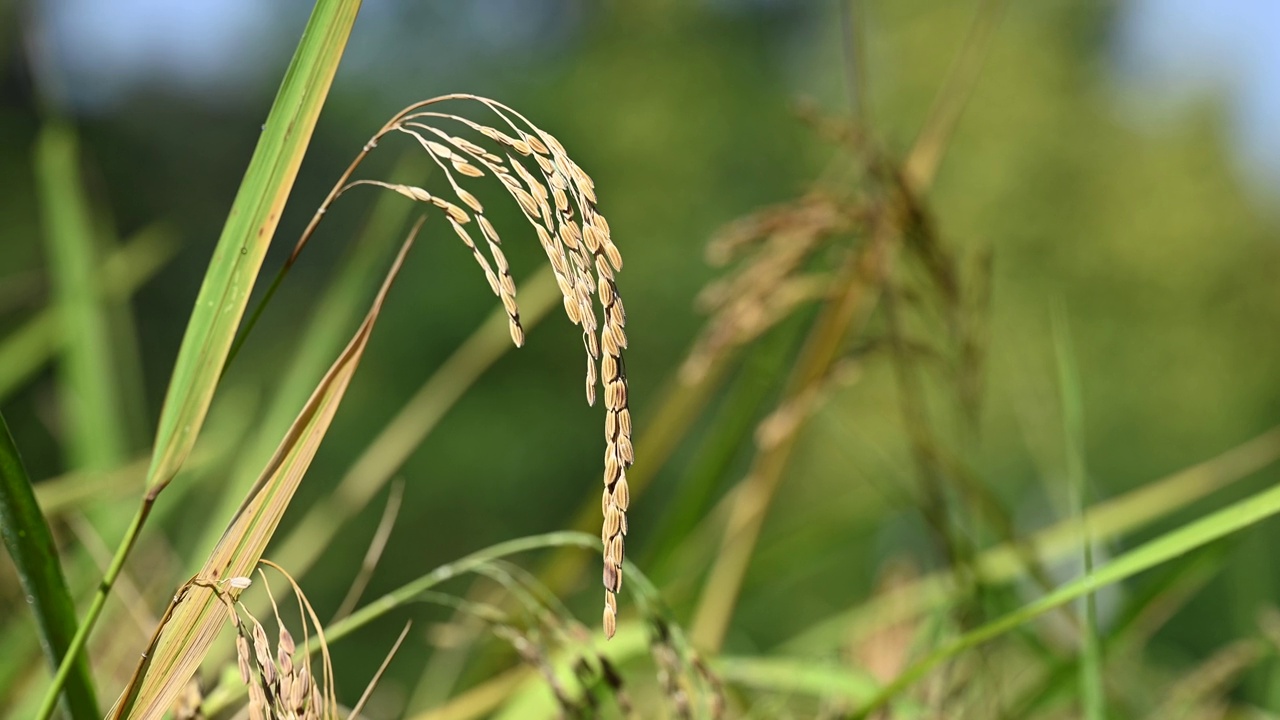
x=1144, y=615
x=1092, y=696
x=921, y=165
x=1173, y=544
x=30, y=544
x=123, y=271
x=89, y=390
x=824, y=679
x=196, y=615
x=232, y=272
x=1109, y=519
x=247, y=234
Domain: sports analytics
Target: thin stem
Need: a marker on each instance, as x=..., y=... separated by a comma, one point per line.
x=50, y=701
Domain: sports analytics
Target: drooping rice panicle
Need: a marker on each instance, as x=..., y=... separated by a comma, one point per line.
x=558, y=199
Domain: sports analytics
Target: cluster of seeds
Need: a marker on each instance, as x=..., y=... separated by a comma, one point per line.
x=558, y=199
x=279, y=688
x=778, y=244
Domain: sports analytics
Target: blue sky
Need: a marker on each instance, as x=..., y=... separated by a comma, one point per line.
x=1168, y=55
x=1177, y=52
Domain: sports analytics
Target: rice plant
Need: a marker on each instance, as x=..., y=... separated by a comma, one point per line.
x=824, y=525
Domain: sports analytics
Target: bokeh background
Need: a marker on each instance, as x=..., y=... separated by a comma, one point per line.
x=1120, y=160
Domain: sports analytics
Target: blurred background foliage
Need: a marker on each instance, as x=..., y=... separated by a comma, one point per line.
x=1144, y=208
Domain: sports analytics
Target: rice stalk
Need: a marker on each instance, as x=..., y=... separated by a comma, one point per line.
x=891, y=217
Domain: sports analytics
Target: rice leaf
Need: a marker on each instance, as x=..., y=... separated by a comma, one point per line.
x=1214, y=526
x=196, y=615
x=247, y=234
x=1092, y=697
x=30, y=544
x=820, y=678
x=89, y=391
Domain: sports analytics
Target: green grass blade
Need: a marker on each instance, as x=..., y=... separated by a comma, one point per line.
x=123, y=271
x=247, y=234
x=89, y=391
x=824, y=679
x=30, y=544
x=196, y=615
x=1092, y=698
x=1171, y=545
x=1108, y=519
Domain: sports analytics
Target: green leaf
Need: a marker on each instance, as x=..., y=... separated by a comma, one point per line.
x=1092, y=693
x=1169, y=546
x=30, y=544
x=247, y=234
x=89, y=390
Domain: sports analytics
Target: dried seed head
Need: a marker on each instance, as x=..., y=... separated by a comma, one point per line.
x=558, y=199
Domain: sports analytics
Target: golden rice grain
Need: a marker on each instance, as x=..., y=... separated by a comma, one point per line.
x=622, y=498
x=470, y=200
x=465, y=168
x=610, y=621
x=535, y=144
